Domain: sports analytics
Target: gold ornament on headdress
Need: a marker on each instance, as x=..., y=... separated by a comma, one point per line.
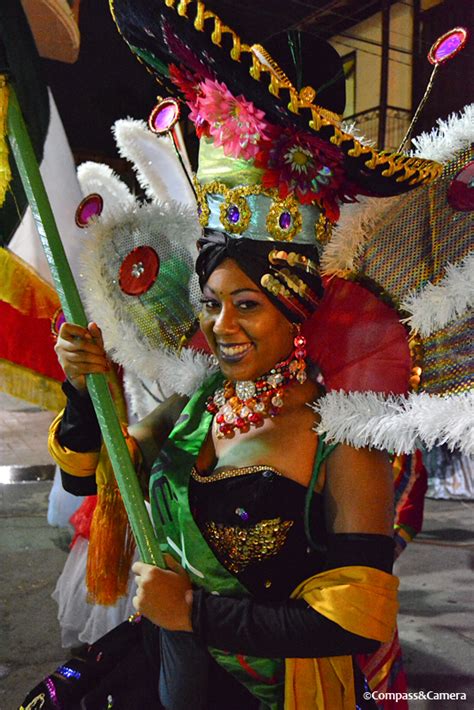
x=262, y=213
x=290, y=205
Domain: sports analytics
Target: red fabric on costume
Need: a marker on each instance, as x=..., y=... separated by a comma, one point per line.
x=28, y=341
x=81, y=519
x=410, y=506
x=358, y=341
x=385, y=674
x=198, y=342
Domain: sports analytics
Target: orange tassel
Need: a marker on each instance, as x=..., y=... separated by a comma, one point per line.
x=111, y=549
x=111, y=543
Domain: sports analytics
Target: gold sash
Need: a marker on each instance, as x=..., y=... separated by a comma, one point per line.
x=363, y=601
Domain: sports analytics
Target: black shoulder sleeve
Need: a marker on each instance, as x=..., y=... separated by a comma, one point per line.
x=79, y=485
x=79, y=429
x=290, y=628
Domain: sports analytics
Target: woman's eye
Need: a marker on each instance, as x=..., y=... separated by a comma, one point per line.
x=247, y=305
x=209, y=304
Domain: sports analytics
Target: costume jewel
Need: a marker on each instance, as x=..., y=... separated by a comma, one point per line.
x=91, y=206
x=246, y=403
x=164, y=116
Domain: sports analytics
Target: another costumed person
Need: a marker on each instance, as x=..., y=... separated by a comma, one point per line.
x=280, y=540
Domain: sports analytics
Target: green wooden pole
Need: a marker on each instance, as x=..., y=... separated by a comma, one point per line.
x=73, y=310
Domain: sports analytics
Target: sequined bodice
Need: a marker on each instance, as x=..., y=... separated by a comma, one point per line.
x=252, y=518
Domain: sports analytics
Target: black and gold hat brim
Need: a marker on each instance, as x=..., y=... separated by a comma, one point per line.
x=189, y=34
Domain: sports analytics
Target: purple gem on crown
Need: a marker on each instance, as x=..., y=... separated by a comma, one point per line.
x=285, y=220
x=233, y=214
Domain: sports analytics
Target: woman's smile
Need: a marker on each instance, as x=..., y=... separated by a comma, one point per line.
x=233, y=352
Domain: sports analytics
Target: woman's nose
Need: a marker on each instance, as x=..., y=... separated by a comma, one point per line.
x=226, y=321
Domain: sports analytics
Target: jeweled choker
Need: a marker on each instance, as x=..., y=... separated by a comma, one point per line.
x=246, y=403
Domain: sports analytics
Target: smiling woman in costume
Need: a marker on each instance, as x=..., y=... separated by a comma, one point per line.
x=280, y=546
x=257, y=456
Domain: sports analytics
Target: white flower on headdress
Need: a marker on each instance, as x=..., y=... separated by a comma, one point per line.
x=299, y=158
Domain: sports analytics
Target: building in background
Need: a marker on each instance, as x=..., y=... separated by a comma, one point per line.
x=382, y=97
x=362, y=48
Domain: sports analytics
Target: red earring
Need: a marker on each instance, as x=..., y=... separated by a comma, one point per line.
x=298, y=364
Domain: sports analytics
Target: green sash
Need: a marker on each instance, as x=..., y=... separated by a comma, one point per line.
x=179, y=536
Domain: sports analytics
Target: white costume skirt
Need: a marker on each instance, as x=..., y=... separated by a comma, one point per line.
x=82, y=622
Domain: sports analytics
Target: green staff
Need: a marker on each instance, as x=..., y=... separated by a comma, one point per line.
x=73, y=309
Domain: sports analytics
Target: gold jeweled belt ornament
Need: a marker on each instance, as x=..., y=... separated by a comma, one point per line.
x=241, y=546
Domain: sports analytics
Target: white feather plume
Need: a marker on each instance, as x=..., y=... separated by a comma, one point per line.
x=99, y=178
x=447, y=138
x=142, y=397
x=104, y=299
x=397, y=424
x=351, y=127
x=438, y=304
x=358, y=220
x=155, y=162
x=181, y=373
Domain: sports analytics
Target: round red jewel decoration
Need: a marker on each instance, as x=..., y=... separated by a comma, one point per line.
x=448, y=45
x=461, y=189
x=164, y=116
x=90, y=206
x=139, y=270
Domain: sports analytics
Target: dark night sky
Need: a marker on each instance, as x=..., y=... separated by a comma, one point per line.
x=106, y=83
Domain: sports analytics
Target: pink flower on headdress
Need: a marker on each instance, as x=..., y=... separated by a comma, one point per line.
x=234, y=123
x=306, y=166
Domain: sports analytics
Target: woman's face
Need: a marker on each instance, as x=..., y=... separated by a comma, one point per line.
x=245, y=331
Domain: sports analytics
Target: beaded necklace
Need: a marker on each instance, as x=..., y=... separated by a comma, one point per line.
x=237, y=406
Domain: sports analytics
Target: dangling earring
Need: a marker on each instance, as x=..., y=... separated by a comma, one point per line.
x=298, y=364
